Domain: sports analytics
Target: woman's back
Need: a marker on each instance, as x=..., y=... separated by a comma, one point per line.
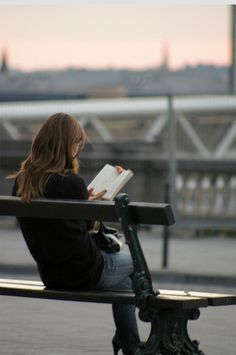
x=66, y=255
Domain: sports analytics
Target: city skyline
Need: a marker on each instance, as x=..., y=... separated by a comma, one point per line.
x=116, y=36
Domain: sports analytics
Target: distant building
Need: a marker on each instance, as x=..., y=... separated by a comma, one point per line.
x=4, y=62
x=165, y=57
x=101, y=91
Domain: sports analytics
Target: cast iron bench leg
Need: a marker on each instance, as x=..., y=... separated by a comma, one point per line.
x=169, y=334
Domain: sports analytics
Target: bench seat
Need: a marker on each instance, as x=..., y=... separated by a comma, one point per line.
x=167, y=299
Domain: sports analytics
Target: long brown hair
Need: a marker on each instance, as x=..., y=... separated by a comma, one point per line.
x=51, y=153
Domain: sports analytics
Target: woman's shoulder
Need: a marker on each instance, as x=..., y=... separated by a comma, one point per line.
x=68, y=178
x=68, y=185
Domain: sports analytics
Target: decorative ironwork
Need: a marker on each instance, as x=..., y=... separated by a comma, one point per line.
x=142, y=282
x=169, y=335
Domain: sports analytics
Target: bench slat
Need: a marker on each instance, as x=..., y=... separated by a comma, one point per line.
x=214, y=299
x=163, y=301
x=35, y=289
x=82, y=296
x=21, y=282
x=142, y=213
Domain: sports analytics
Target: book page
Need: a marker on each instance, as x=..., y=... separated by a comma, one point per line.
x=116, y=185
x=109, y=179
x=103, y=178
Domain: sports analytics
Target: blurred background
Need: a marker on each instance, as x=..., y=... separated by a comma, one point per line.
x=152, y=84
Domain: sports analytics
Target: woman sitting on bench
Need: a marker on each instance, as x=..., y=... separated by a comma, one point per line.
x=66, y=255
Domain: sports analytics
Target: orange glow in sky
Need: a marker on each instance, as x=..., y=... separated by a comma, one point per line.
x=97, y=36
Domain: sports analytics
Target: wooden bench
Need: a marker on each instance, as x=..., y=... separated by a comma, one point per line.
x=168, y=311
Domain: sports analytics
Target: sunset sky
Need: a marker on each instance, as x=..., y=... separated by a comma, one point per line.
x=100, y=34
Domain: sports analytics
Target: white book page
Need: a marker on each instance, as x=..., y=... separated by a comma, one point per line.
x=109, y=179
x=103, y=178
x=116, y=185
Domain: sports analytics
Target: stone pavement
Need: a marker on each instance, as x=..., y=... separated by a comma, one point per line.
x=46, y=327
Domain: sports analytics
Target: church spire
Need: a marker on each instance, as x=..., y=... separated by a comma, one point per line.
x=4, y=62
x=165, y=56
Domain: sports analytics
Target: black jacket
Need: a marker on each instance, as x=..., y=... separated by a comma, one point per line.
x=66, y=255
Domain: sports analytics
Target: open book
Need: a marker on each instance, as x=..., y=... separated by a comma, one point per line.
x=110, y=180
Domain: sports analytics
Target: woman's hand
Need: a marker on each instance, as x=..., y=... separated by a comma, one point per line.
x=97, y=196
x=119, y=169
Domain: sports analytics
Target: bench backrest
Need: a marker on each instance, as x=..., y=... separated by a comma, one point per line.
x=128, y=214
x=140, y=213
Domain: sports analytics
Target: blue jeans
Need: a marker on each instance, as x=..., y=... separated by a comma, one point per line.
x=117, y=272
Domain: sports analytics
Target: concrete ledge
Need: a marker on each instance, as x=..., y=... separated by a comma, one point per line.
x=163, y=276
x=190, y=278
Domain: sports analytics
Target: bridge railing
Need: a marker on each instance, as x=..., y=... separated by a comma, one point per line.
x=195, y=137
x=205, y=126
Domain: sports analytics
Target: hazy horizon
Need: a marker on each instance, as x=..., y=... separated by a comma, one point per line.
x=67, y=68
x=117, y=36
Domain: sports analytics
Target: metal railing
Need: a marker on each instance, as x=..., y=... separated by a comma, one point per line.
x=193, y=134
x=205, y=126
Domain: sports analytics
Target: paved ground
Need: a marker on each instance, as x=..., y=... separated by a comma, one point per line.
x=44, y=327
x=212, y=259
